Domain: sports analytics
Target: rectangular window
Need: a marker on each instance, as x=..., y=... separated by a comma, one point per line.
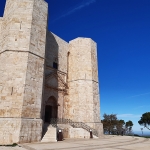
x=55, y=65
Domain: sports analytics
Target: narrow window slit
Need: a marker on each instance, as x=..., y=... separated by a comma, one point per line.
x=12, y=91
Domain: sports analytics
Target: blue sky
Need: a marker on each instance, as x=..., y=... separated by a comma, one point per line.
x=121, y=29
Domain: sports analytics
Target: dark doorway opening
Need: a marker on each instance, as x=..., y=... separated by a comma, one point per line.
x=48, y=113
x=51, y=109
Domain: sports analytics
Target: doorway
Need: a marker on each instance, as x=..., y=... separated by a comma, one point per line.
x=51, y=109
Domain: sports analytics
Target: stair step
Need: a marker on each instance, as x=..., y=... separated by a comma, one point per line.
x=50, y=135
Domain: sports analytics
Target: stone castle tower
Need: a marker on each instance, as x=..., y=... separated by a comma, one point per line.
x=44, y=78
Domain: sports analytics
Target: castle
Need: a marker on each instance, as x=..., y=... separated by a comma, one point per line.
x=42, y=77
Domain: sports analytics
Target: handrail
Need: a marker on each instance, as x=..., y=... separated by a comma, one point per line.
x=55, y=121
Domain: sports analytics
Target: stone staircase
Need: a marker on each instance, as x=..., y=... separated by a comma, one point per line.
x=69, y=128
x=49, y=133
x=56, y=121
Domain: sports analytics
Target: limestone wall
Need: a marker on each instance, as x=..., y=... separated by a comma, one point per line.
x=9, y=130
x=33, y=89
x=62, y=53
x=52, y=48
x=17, y=25
x=12, y=80
x=55, y=79
x=83, y=104
x=27, y=77
x=77, y=133
x=56, y=51
x=30, y=130
x=22, y=66
x=35, y=65
x=1, y=21
x=16, y=130
x=39, y=28
x=96, y=94
x=21, y=22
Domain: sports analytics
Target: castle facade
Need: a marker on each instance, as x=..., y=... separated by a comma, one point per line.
x=43, y=78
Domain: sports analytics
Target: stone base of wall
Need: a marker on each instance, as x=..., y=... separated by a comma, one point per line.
x=99, y=128
x=17, y=130
x=70, y=132
x=79, y=133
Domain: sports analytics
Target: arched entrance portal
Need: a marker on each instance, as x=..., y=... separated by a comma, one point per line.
x=51, y=109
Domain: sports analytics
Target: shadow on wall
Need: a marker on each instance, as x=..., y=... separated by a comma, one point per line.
x=50, y=104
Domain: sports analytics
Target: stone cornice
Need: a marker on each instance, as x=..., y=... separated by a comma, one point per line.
x=22, y=52
x=83, y=79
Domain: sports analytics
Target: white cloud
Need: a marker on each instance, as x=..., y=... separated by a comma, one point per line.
x=143, y=106
x=140, y=94
x=80, y=6
x=128, y=116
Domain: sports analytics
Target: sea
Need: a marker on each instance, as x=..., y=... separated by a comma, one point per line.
x=145, y=133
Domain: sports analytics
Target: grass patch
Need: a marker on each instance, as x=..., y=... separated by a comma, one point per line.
x=141, y=136
x=10, y=145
